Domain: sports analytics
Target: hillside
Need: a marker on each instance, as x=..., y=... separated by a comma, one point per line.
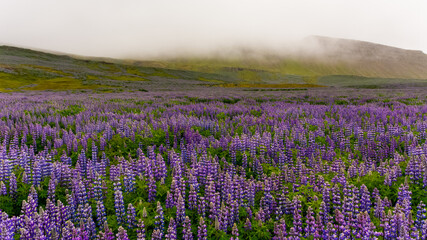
x=321, y=61
x=314, y=57
x=367, y=59
x=25, y=69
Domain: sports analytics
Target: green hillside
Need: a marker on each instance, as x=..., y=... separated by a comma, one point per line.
x=24, y=69
x=343, y=63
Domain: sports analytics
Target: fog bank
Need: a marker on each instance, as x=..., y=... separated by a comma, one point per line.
x=152, y=29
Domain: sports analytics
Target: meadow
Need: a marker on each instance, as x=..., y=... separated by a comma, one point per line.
x=289, y=164
x=24, y=70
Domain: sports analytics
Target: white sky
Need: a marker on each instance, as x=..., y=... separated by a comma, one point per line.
x=141, y=28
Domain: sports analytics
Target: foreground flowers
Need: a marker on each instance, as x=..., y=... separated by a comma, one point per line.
x=272, y=169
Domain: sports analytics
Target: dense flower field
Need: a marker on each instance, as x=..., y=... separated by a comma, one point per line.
x=191, y=168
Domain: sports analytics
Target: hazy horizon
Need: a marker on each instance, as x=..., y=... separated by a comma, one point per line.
x=146, y=29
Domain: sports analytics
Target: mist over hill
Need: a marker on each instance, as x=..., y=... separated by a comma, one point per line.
x=370, y=59
x=314, y=62
x=314, y=56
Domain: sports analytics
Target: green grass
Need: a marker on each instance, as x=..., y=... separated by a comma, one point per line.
x=41, y=71
x=239, y=71
x=125, y=78
x=65, y=83
x=209, y=80
x=45, y=69
x=367, y=82
x=12, y=82
x=261, y=85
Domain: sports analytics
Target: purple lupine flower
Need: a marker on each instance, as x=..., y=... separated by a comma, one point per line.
x=159, y=221
x=157, y=235
x=326, y=198
x=365, y=199
x=342, y=226
x=170, y=203
x=289, y=207
x=97, y=188
x=425, y=178
x=131, y=215
x=140, y=231
x=82, y=162
x=122, y=234
x=3, y=189
x=180, y=210
x=192, y=198
x=379, y=208
x=224, y=218
x=171, y=233
x=5, y=233
x=107, y=234
x=251, y=194
x=152, y=189
x=65, y=159
x=402, y=195
x=29, y=207
x=162, y=172
x=260, y=215
x=280, y=209
x=210, y=188
x=297, y=223
x=267, y=202
x=202, y=231
x=365, y=226
x=94, y=152
x=186, y=231
x=336, y=197
x=81, y=193
x=421, y=216
x=388, y=180
x=62, y=215
x=120, y=207
x=235, y=233
x=67, y=231
x=424, y=230
x=293, y=235
x=244, y=161
x=201, y=207
x=37, y=175
x=79, y=214
x=91, y=227
x=25, y=178
x=390, y=227
x=280, y=230
x=323, y=213
x=71, y=207
x=310, y=221
x=129, y=181
x=87, y=212
x=12, y=185
x=51, y=189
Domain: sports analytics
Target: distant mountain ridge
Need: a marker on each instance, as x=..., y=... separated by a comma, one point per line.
x=314, y=56
x=370, y=59
x=362, y=48
x=319, y=61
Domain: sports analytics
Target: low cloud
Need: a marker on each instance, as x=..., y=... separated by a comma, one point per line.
x=153, y=29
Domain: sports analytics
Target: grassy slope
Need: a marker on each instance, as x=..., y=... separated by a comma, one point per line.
x=322, y=56
x=298, y=71
x=369, y=82
x=23, y=69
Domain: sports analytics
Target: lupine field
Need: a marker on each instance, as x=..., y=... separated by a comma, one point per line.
x=289, y=165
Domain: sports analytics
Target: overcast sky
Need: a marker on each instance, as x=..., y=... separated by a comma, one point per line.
x=123, y=28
